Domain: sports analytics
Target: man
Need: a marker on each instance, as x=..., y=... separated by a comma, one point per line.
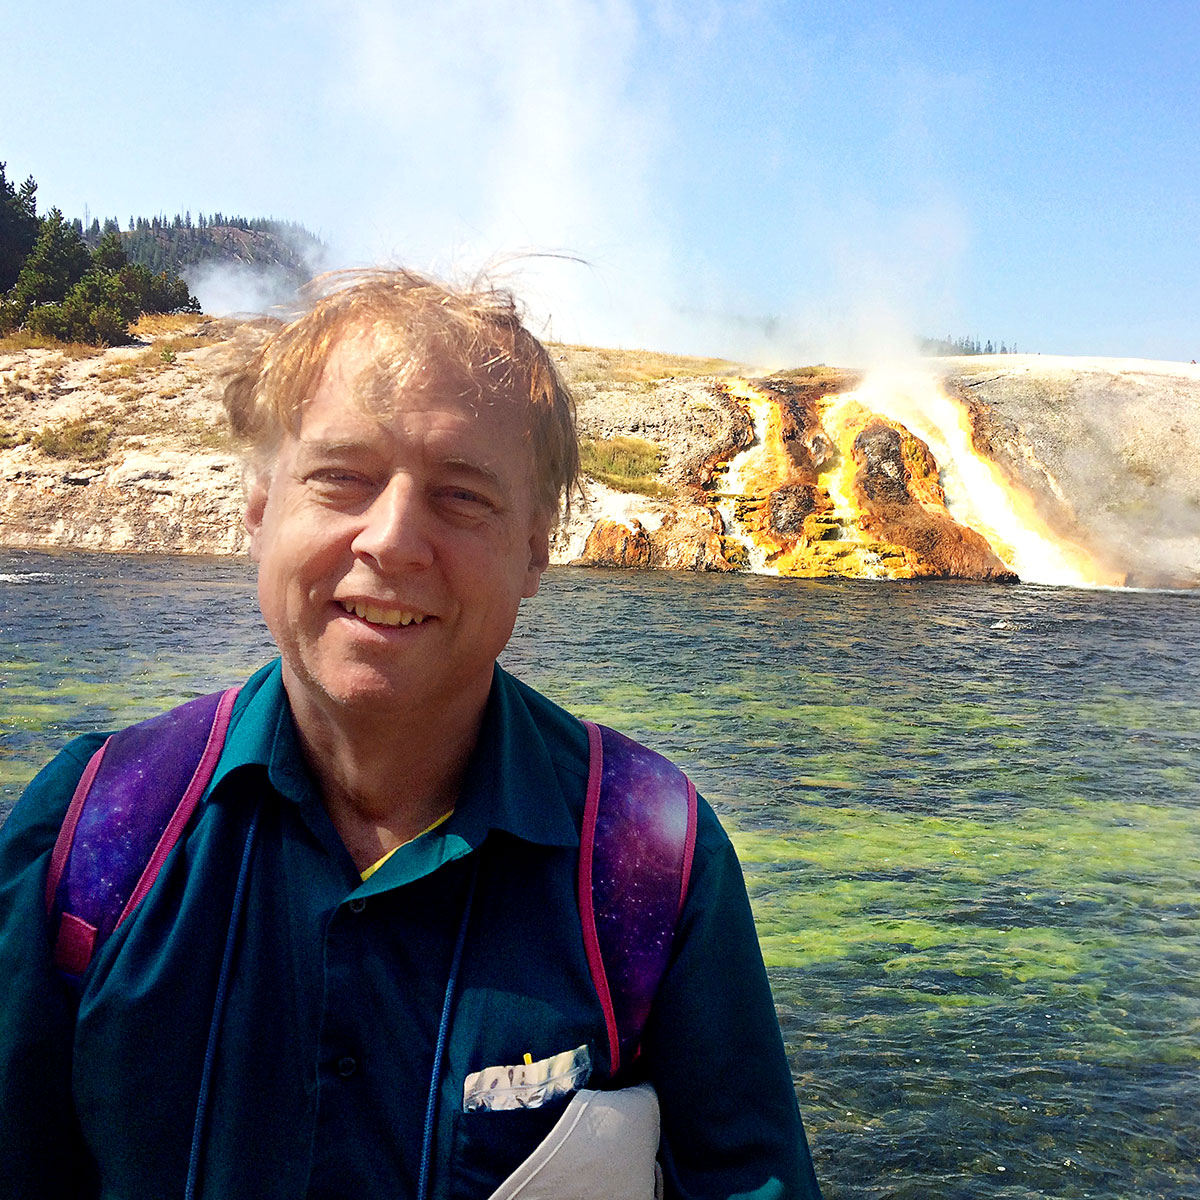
x=374, y=905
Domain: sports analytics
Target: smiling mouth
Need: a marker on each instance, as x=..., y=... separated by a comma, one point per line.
x=374, y=615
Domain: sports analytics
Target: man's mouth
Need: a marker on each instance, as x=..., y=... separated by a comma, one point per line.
x=375, y=615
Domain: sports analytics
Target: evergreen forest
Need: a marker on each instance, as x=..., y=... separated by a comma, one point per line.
x=177, y=244
x=89, y=280
x=54, y=284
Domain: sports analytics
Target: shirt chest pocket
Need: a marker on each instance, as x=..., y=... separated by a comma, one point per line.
x=603, y=1146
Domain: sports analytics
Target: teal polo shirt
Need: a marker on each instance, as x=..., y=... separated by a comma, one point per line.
x=326, y=1041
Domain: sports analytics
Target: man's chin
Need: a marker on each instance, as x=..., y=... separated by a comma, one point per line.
x=351, y=690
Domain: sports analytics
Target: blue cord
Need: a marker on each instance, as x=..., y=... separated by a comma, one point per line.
x=443, y=1032
x=210, y=1052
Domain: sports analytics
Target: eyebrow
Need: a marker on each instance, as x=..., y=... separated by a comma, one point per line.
x=478, y=470
x=317, y=447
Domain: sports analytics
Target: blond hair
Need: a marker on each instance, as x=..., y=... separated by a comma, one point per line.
x=425, y=335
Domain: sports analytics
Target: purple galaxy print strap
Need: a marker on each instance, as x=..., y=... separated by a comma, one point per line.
x=129, y=810
x=635, y=859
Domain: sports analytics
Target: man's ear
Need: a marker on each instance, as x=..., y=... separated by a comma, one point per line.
x=539, y=554
x=258, y=487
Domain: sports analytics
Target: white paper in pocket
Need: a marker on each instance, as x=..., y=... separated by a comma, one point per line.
x=527, y=1084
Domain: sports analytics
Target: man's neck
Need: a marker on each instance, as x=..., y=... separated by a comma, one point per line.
x=387, y=779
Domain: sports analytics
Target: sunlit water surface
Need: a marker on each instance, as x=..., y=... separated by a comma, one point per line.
x=969, y=817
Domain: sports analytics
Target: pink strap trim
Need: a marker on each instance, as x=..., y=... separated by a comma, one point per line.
x=587, y=915
x=187, y=803
x=73, y=948
x=689, y=845
x=66, y=834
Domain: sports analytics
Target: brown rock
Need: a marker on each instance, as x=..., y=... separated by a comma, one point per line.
x=692, y=540
x=798, y=399
x=787, y=507
x=939, y=546
x=611, y=544
x=883, y=476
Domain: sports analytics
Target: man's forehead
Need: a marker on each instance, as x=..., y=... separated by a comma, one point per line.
x=377, y=371
x=348, y=416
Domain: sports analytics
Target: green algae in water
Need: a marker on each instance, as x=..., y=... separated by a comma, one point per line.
x=974, y=855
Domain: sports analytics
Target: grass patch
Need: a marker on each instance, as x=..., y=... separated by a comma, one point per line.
x=177, y=430
x=156, y=325
x=15, y=388
x=167, y=350
x=12, y=437
x=194, y=433
x=82, y=439
x=821, y=371
x=150, y=361
x=588, y=364
x=21, y=340
x=627, y=464
x=173, y=332
x=127, y=369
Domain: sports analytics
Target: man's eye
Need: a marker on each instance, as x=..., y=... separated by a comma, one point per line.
x=334, y=477
x=466, y=499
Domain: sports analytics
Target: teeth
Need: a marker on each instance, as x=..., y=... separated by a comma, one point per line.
x=382, y=616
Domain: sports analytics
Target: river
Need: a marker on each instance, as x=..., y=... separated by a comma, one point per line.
x=969, y=817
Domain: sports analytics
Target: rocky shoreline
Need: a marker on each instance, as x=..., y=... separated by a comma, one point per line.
x=126, y=450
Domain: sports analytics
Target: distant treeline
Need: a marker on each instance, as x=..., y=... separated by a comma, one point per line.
x=963, y=345
x=88, y=280
x=178, y=243
x=54, y=284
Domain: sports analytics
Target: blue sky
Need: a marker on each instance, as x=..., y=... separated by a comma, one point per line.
x=771, y=181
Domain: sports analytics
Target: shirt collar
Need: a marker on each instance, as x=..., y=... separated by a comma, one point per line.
x=511, y=783
x=262, y=734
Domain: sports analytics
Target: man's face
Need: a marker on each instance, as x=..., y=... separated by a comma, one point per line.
x=394, y=549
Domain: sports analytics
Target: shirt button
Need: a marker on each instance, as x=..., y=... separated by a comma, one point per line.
x=347, y=1066
x=357, y=904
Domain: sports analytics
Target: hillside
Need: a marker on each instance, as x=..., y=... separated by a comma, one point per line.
x=178, y=245
x=74, y=280
x=820, y=471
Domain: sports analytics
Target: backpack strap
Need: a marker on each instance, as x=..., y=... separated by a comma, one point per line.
x=131, y=805
x=635, y=860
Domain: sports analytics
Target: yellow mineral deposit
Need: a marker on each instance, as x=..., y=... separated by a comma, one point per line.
x=751, y=474
x=978, y=493
x=832, y=542
x=843, y=419
x=964, y=486
x=764, y=465
x=836, y=542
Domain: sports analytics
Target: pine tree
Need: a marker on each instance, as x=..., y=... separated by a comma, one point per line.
x=109, y=254
x=57, y=262
x=18, y=227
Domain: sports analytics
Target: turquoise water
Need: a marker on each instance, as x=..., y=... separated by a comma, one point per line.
x=969, y=817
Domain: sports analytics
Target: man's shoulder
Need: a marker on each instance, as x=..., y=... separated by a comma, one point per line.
x=36, y=817
x=43, y=805
x=563, y=734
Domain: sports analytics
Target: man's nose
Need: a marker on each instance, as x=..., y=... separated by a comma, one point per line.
x=395, y=530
